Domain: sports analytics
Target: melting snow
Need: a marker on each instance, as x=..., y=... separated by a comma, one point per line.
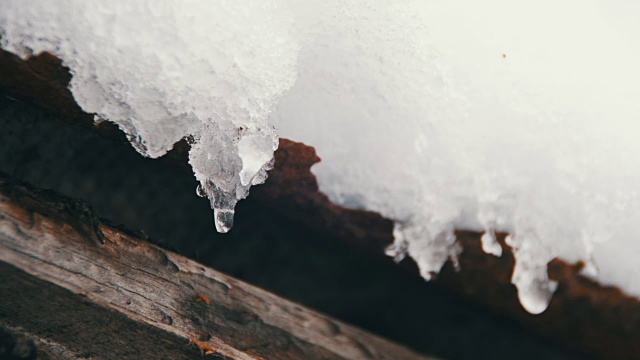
x=490, y=116
x=166, y=70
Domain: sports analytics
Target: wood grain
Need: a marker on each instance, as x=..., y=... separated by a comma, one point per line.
x=55, y=239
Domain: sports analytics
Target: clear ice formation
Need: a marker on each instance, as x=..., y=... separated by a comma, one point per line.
x=489, y=116
x=167, y=70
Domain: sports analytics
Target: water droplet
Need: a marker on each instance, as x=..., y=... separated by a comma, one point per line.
x=490, y=244
x=223, y=219
x=536, y=295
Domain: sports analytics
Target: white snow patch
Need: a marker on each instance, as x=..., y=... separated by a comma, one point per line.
x=491, y=115
x=441, y=115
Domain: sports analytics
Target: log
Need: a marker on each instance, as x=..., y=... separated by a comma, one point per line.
x=71, y=295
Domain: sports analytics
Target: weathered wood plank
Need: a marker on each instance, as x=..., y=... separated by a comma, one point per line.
x=39, y=320
x=55, y=239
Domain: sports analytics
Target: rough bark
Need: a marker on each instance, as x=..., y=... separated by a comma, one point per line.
x=130, y=295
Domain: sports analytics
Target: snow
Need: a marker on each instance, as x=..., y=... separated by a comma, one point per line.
x=493, y=115
x=169, y=70
x=488, y=116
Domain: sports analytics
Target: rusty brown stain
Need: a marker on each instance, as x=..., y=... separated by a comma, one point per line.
x=205, y=348
x=203, y=298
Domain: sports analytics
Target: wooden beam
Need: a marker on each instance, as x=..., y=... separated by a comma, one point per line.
x=130, y=294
